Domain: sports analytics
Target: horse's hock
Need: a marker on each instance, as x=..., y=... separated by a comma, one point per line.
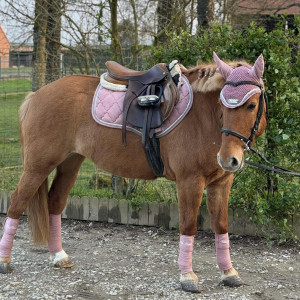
x=151, y=214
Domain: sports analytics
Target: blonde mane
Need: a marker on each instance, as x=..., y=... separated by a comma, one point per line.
x=206, y=78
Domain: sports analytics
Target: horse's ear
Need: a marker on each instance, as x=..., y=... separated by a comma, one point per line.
x=257, y=70
x=224, y=69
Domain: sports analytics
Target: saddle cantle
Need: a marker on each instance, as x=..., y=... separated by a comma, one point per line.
x=149, y=100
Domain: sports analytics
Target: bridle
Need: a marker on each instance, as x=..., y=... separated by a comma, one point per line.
x=249, y=141
x=262, y=100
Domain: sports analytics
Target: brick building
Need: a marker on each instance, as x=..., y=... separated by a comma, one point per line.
x=242, y=12
x=4, y=49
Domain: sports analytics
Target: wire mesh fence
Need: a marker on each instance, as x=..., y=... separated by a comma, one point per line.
x=15, y=84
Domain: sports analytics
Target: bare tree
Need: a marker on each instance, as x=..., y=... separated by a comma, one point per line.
x=39, y=44
x=170, y=17
x=205, y=13
x=114, y=31
x=53, y=33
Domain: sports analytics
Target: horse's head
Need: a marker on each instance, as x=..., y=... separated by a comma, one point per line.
x=244, y=111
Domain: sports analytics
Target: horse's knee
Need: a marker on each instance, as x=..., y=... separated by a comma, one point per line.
x=219, y=228
x=218, y=221
x=188, y=225
x=188, y=230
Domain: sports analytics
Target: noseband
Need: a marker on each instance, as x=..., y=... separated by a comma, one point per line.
x=262, y=99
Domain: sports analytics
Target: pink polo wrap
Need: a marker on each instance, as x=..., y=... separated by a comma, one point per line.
x=55, y=243
x=186, y=245
x=222, y=251
x=9, y=231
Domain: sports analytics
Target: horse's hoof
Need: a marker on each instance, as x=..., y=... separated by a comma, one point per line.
x=61, y=260
x=189, y=282
x=5, y=268
x=64, y=263
x=231, y=279
x=5, y=265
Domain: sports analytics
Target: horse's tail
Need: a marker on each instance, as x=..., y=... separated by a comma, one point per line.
x=38, y=213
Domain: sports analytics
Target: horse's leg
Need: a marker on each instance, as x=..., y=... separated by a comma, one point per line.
x=190, y=192
x=66, y=174
x=217, y=201
x=28, y=186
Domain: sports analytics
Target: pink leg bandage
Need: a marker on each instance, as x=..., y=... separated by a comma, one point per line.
x=222, y=251
x=9, y=231
x=185, y=257
x=55, y=244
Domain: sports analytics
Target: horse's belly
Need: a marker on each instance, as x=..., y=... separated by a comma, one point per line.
x=104, y=147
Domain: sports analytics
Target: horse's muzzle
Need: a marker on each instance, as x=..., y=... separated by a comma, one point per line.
x=232, y=164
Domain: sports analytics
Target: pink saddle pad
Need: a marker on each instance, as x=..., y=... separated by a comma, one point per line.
x=108, y=107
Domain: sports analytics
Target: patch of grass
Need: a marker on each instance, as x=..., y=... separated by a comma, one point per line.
x=9, y=136
x=22, y=70
x=15, y=85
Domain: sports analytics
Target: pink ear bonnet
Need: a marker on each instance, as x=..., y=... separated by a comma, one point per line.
x=234, y=96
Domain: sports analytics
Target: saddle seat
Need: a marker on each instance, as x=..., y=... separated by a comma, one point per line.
x=120, y=72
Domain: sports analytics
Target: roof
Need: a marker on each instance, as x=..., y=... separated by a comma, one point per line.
x=266, y=7
x=4, y=42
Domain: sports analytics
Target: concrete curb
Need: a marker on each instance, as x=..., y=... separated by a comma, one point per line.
x=150, y=214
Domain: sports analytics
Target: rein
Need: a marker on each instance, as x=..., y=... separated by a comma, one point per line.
x=248, y=141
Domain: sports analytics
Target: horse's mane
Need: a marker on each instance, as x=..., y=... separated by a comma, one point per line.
x=206, y=77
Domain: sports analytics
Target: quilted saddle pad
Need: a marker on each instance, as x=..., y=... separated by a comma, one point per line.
x=107, y=109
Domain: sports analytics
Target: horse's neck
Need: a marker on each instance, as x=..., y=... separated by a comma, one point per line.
x=207, y=108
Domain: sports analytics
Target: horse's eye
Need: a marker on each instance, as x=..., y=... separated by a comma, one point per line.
x=251, y=106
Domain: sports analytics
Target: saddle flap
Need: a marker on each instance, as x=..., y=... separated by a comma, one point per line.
x=136, y=115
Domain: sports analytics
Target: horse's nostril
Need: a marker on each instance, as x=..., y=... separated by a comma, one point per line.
x=234, y=162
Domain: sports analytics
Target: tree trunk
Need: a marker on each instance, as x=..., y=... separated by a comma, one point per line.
x=115, y=39
x=39, y=44
x=53, y=66
x=135, y=46
x=116, y=181
x=117, y=184
x=170, y=18
x=164, y=15
x=205, y=13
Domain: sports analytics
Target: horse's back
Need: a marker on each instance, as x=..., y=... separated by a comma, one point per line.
x=59, y=121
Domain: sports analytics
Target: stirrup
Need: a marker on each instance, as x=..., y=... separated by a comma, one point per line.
x=150, y=99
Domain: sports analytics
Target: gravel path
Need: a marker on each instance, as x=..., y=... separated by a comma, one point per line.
x=127, y=262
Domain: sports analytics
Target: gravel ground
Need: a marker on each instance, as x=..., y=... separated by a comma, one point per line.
x=127, y=262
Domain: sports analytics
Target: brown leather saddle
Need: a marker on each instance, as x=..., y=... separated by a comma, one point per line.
x=149, y=100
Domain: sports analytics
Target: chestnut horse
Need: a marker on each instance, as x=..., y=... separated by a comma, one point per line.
x=57, y=131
